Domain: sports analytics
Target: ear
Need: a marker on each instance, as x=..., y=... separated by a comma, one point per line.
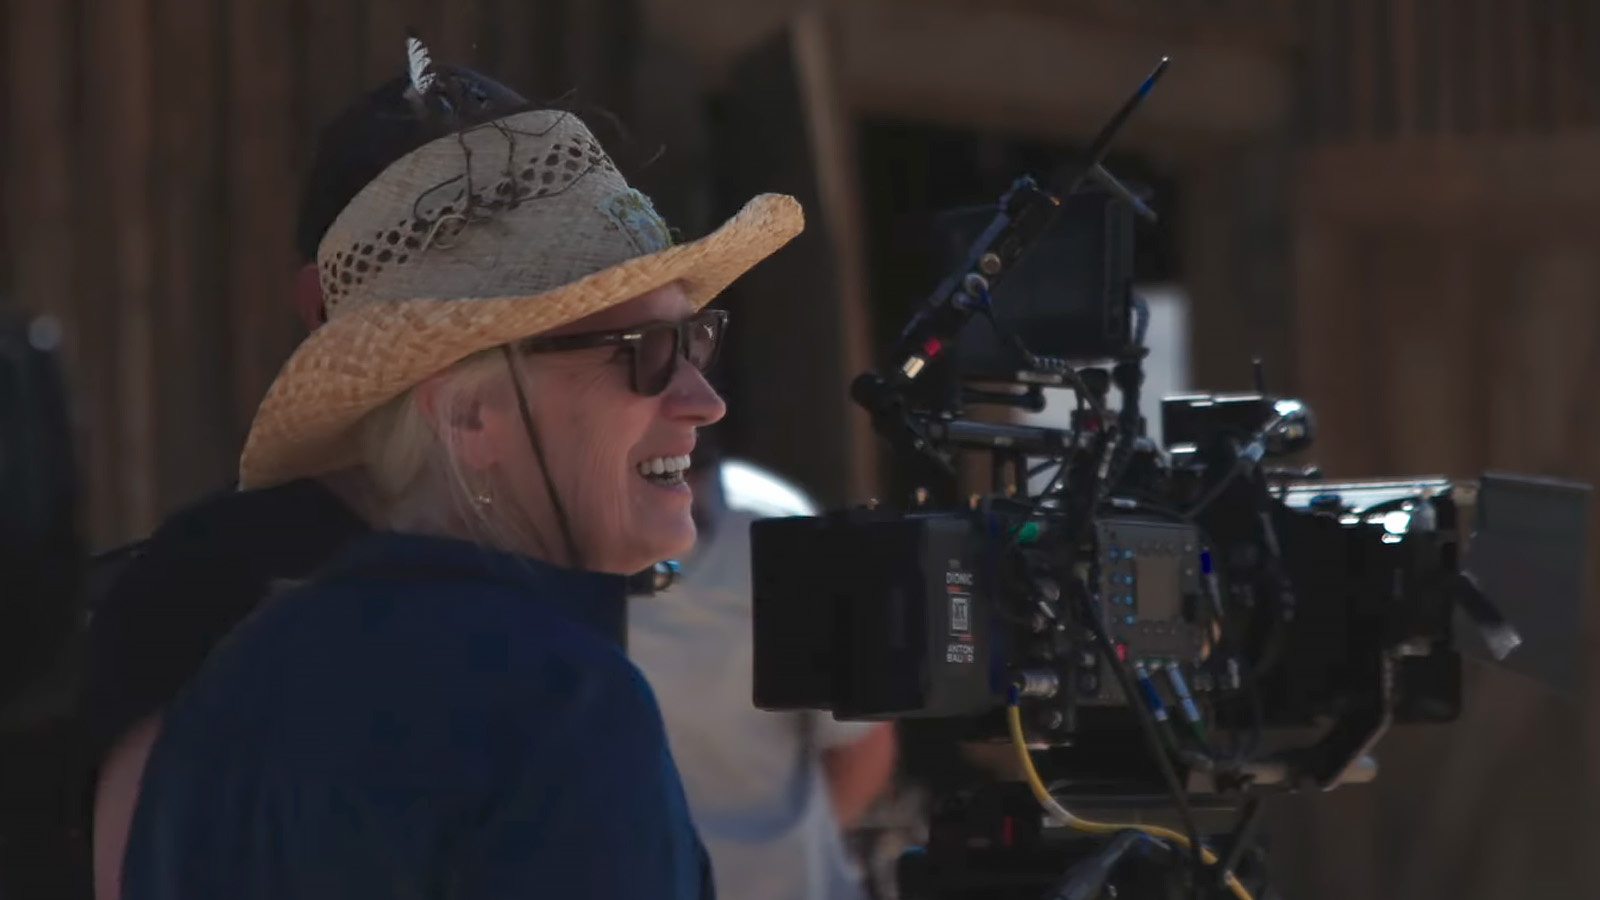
x=469, y=425
x=306, y=295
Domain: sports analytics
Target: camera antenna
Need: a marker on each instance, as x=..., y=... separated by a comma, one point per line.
x=1091, y=167
x=1072, y=175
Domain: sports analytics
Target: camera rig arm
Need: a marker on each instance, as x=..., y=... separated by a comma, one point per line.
x=1025, y=212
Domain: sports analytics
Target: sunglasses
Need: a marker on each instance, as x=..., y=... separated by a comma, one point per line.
x=653, y=349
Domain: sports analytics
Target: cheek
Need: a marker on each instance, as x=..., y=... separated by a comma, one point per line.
x=597, y=431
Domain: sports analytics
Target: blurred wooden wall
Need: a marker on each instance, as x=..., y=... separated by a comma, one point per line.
x=1447, y=289
x=151, y=154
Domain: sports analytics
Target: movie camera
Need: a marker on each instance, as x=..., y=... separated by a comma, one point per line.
x=1183, y=626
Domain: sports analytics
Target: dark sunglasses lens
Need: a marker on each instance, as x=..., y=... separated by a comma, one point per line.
x=653, y=359
x=704, y=336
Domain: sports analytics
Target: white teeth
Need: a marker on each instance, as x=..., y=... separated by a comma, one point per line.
x=663, y=465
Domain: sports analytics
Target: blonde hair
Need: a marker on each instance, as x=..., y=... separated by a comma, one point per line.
x=416, y=472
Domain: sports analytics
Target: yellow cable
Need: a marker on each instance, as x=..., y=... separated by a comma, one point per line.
x=1054, y=807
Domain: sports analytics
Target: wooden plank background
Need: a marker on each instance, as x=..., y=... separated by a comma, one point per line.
x=1399, y=70
x=151, y=153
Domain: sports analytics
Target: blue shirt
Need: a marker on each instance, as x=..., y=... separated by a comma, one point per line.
x=429, y=719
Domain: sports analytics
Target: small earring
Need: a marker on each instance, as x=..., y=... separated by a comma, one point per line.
x=483, y=498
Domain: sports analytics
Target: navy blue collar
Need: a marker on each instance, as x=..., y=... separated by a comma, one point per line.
x=591, y=598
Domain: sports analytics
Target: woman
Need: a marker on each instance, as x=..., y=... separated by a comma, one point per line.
x=168, y=600
x=513, y=359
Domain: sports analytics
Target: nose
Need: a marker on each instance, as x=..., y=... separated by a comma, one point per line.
x=692, y=399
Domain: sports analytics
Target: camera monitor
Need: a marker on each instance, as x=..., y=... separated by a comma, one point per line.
x=1070, y=294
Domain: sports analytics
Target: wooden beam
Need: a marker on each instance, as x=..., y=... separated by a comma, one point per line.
x=1006, y=65
x=1482, y=183
x=833, y=142
x=783, y=129
x=1363, y=64
x=456, y=33
x=1445, y=35
x=193, y=441
x=117, y=71
x=332, y=76
x=549, y=46
x=718, y=32
x=1494, y=36
x=1403, y=39
x=1050, y=78
x=512, y=29
x=45, y=159
x=1426, y=294
x=40, y=159
x=384, y=32
x=1563, y=44
x=1547, y=329
x=1269, y=26
x=97, y=297
x=1332, y=311
x=1521, y=40
x=1329, y=85
x=262, y=191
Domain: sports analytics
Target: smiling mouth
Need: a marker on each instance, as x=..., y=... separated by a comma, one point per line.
x=664, y=471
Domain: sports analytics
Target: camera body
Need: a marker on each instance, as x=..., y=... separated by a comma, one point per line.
x=928, y=614
x=1278, y=606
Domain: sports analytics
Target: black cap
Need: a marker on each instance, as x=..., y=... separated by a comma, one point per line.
x=373, y=132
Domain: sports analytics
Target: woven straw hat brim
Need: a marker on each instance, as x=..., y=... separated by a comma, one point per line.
x=307, y=424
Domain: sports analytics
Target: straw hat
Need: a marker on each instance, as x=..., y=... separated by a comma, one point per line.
x=416, y=276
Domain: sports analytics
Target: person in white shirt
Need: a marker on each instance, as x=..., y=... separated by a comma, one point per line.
x=770, y=792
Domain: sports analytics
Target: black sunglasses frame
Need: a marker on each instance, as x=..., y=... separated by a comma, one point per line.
x=631, y=339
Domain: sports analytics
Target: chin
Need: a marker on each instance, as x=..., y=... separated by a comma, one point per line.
x=681, y=541
x=668, y=540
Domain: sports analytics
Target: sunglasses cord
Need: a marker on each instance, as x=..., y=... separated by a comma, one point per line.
x=574, y=558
